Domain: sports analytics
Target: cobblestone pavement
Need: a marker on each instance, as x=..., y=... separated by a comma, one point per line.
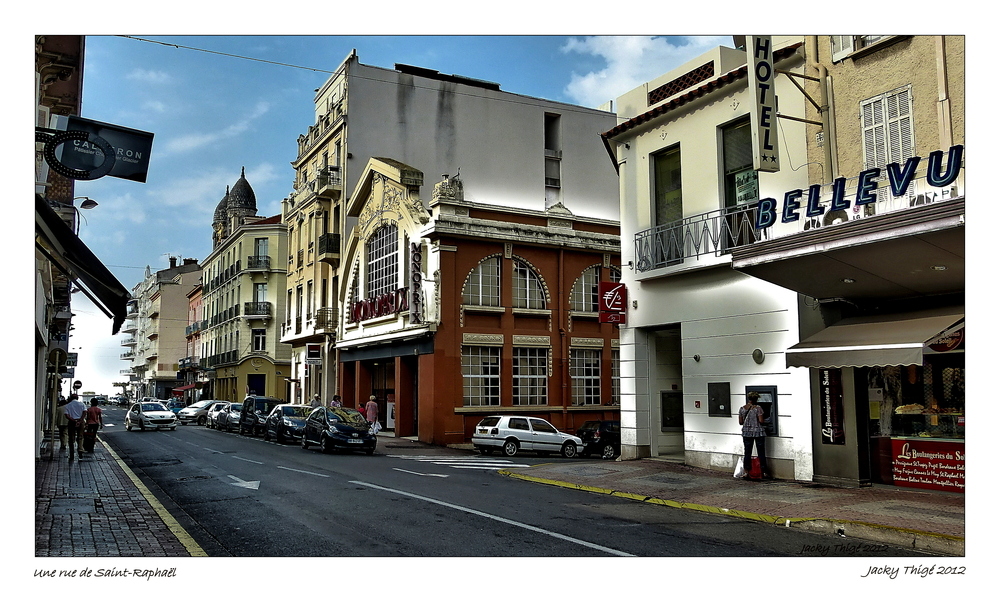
x=93, y=506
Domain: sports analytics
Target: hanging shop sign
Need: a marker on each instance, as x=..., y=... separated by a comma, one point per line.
x=85, y=149
x=314, y=353
x=831, y=406
x=951, y=342
x=612, y=302
x=763, y=114
x=416, y=284
x=899, y=176
x=393, y=302
x=929, y=464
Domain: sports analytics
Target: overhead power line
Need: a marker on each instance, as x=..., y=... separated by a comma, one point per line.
x=231, y=55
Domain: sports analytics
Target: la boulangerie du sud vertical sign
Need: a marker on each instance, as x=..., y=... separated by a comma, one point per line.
x=831, y=406
x=612, y=302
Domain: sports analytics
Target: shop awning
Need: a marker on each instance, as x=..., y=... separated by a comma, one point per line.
x=65, y=250
x=181, y=389
x=886, y=340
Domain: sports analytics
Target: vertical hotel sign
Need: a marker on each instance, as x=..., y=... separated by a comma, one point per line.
x=763, y=112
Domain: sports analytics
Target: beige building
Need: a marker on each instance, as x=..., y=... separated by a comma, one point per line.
x=876, y=245
x=243, y=300
x=154, y=335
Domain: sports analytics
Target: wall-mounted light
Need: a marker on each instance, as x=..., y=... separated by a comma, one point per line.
x=758, y=356
x=697, y=357
x=848, y=280
x=88, y=204
x=939, y=267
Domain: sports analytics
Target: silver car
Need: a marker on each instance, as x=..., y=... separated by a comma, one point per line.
x=197, y=412
x=510, y=433
x=150, y=416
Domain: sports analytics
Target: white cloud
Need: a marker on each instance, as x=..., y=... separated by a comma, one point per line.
x=157, y=106
x=198, y=195
x=631, y=61
x=197, y=140
x=150, y=76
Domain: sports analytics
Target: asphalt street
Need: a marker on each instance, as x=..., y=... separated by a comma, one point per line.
x=243, y=496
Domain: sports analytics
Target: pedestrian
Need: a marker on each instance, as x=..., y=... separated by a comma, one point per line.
x=74, y=411
x=315, y=402
x=371, y=414
x=752, y=420
x=61, y=421
x=95, y=421
x=335, y=402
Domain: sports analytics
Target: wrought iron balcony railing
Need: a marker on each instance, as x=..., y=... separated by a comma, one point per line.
x=256, y=309
x=709, y=234
x=258, y=262
x=326, y=319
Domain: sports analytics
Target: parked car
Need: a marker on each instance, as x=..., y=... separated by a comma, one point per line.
x=213, y=412
x=175, y=404
x=150, y=415
x=509, y=434
x=254, y=414
x=338, y=429
x=229, y=418
x=601, y=437
x=286, y=422
x=197, y=412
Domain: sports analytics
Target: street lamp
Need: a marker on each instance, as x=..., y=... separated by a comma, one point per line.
x=88, y=204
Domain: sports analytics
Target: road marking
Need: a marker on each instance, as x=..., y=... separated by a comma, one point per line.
x=256, y=462
x=465, y=462
x=415, y=473
x=301, y=471
x=244, y=484
x=500, y=519
x=214, y=451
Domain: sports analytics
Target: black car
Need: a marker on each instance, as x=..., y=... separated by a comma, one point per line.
x=601, y=437
x=286, y=422
x=254, y=414
x=338, y=429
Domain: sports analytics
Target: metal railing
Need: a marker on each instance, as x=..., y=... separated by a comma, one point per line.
x=258, y=262
x=257, y=309
x=328, y=243
x=709, y=234
x=326, y=319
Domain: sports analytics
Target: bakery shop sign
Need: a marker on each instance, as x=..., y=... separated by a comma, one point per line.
x=929, y=464
x=900, y=177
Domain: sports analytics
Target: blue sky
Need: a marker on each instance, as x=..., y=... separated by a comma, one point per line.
x=212, y=113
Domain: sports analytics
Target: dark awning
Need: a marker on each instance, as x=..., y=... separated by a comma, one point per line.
x=67, y=252
x=181, y=389
x=885, y=340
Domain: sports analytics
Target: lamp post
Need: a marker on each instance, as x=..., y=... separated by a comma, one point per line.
x=88, y=204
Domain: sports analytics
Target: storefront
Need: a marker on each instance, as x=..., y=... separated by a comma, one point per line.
x=888, y=399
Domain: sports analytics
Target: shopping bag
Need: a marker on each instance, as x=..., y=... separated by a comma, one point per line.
x=376, y=427
x=755, y=469
x=738, y=473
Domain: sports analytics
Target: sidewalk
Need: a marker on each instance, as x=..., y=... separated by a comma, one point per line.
x=920, y=519
x=95, y=506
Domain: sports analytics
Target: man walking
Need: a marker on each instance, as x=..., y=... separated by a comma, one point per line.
x=74, y=411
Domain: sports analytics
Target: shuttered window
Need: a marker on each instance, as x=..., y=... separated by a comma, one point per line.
x=887, y=131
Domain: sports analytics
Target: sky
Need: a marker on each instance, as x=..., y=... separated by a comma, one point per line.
x=216, y=104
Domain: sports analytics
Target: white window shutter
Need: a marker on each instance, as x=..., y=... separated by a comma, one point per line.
x=842, y=46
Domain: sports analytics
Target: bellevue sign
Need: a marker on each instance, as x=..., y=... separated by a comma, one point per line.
x=899, y=177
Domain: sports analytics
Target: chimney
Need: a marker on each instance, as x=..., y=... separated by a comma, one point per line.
x=190, y=261
x=173, y=262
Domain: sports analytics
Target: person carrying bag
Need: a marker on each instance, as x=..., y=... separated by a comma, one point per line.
x=752, y=420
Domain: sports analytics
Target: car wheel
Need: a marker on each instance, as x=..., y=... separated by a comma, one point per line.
x=608, y=452
x=325, y=445
x=278, y=436
x=128, y=426
x=510, y=448
x=202, y=420
x=142, y=426
x=305, y=443
x=569, y=450
x=267, y=436
x=485, y=450
x=241, y=429
x=172, y=428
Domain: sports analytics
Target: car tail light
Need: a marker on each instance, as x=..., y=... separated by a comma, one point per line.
x=494, y=431
x=597, y=434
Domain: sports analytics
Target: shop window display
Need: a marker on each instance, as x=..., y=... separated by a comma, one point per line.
x=919, y=401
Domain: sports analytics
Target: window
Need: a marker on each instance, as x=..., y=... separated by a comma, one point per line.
x=583, y=296
x=887, y=133
x=585, y=376
x=616, y=377
x=309, y=299
x=667, y=186
x=530, y=365
x=260, y=247
x=482, y=287
x=740, y=183
x=528, y=290
x=260, y=292
x=844, y=45
x=259, y=338
x=480, y=375
x=380, y=251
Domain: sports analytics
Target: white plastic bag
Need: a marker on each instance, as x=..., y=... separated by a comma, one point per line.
x=739, y=472
x=376, y=427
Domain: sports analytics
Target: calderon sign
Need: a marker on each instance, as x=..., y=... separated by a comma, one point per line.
x=900, y=177
x=85, y=149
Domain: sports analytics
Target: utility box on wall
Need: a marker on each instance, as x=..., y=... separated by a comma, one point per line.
x=719, y=399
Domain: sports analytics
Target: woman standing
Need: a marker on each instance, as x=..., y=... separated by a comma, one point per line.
x=752, y=420
x=371, y=410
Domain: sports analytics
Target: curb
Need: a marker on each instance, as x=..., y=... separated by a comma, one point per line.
x=915, y=539
x=193, y=548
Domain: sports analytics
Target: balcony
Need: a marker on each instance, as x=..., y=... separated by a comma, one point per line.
x=329, y=183
x=299, y=258
x=326, y=320
x=712, y=234
x=258, y=263
x=260, y=310
x=128, y=341
x=189, y=363
x=328, y=248
x=127, y=356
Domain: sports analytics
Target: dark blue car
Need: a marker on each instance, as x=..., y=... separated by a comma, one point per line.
x=286, y=422
x=338, y=429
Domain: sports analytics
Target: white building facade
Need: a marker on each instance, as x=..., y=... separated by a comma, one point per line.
x=699, y=335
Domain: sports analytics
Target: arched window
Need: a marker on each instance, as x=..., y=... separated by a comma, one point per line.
x=482, y=287
x=583, y=296
x=383, y=261
x=528, y=289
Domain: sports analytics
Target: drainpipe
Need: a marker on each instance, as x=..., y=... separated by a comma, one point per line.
x=824, y=103
x=944, y=100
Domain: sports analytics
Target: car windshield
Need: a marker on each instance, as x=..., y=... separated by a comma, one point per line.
x=236, y=407
x=153, y=407
x=591, y=425
x=264, y=405
x=488, y=422
x=348, y=416
x=289, y=411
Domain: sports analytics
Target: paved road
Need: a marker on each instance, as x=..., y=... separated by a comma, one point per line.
x=242, y=496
